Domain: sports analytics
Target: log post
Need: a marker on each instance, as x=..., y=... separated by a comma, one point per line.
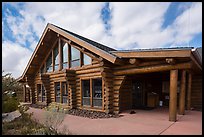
x=173, y=95
x=134, y=61
x=182, y=93
x=189, y=91
x=60, y=54
x=170, y=61
x=24, y=93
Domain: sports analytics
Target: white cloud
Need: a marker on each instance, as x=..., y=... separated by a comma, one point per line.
x=14, y=58
x=133, y=25
x=188, y=24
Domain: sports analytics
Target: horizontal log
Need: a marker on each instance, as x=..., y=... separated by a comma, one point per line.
x=86, y=71
x=98, y=74
x=149, y=69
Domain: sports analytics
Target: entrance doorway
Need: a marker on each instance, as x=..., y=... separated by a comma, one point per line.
x=137, y=94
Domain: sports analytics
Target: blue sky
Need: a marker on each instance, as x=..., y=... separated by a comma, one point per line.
x=118, y=25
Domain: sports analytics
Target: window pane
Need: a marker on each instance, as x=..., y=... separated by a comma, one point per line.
x=86, y=92
x=49, y=63
x=75, y=54
x=87, y=60
x=97, y=92
x=97, y=88
x=64, y=89
x=97, y=102
x=39, y=92
x=65, y=55
x=75, y=63
x=57, y=67
x=43, y=91
x=75, y=57
x=65, y=65
x=57, y=92
x=56, y=57
x=64, y=92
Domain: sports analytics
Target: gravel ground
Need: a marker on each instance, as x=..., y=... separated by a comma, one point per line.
x=82, y=113
x=91, y=114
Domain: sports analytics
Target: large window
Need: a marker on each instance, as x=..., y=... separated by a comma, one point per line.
x=87, y=60
x=93, y=94
x=41, y=92
x=57, y=92
x=75, y=57
x=49, y=63
x=65, y=56
x=56, y=58
x=68, y=56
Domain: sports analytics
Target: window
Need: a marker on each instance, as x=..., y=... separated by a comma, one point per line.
x=64, y=88
x=65, y=56
x=41, y=93
x=97, y=92
x=93, y=94
x=56, y=58
x=87, y=60
x=49, y=63
x=75, y=57
x=57, y=92
x=64, y=93
x=86, y=92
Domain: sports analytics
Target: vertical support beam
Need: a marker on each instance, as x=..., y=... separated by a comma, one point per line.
x=189, y=91
x=24, y=93
x=91, y=92
x=60, y=54
x=173, y=95
x=28, y=95
x=182, y=93
x=69, y=56
x=53, y=61
x=81, y=59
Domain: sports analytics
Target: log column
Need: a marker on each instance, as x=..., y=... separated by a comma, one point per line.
x=24, y=93
x=108, y=89
x=182, y=93
x=173, y=95
x=189, y=91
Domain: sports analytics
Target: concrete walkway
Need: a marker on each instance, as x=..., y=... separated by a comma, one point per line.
x=144, y=122
x=8, y=117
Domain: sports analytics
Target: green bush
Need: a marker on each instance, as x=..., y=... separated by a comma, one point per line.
x=9, y=104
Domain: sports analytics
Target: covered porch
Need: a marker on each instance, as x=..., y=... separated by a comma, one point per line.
x=169, y=89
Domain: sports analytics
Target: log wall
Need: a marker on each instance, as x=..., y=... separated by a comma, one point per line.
x=196, y=93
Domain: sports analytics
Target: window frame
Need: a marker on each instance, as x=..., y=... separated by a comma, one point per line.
x=61, y=96
x=91, y=106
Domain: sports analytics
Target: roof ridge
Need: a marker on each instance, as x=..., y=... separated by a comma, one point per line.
x=92, y=42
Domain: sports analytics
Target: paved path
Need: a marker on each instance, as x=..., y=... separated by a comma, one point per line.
x=8, y=117
x=144, y=122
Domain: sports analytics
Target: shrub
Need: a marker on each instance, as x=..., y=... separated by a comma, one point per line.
x=9, y=104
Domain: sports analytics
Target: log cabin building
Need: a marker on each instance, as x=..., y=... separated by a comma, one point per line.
x=80, y=73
